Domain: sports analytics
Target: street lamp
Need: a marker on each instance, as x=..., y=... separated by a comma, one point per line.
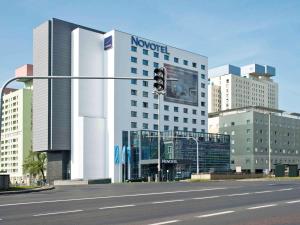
x=195, y=139
x=269, y=142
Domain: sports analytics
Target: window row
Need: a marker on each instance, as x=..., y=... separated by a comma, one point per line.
x=166, y=57
x=145, y=126
x=166, y=107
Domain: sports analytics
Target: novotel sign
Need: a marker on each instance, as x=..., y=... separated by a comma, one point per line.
x=149, y=45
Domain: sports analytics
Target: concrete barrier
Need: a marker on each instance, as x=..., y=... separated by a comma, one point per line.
x=81, y=182
x=212, y=176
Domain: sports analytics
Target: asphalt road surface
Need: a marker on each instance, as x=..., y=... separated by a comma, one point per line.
x=182, y=203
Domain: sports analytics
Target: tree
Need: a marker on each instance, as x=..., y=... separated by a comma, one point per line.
x=35, y=163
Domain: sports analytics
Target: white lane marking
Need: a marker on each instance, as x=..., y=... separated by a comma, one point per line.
x=168, y=201
x=240, y=194
x=262, y=206
x=286, y=189
x=208, y=197
x=56, y=213
x=166, y=222
x=215, y=214
x=291, y=202
x=113, y=196
x=117, y=206
x=261, y=192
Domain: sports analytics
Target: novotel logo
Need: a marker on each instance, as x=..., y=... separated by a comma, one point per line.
x=149, y=45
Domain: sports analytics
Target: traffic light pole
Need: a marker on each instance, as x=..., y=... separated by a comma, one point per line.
x=158, y=141
x=58, y=78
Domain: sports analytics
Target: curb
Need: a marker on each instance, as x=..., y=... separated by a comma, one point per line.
x=27, y=191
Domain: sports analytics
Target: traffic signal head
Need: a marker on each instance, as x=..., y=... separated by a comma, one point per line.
x=160, y=80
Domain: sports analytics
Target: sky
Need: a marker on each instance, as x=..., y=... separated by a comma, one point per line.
x=237, y=32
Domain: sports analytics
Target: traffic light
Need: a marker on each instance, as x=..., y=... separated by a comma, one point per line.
x=160, y=77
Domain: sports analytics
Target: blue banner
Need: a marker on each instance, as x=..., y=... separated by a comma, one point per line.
x=117, y=154
x=123, y=154
x=128, y=154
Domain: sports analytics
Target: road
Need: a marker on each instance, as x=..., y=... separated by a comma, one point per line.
x=182, y=203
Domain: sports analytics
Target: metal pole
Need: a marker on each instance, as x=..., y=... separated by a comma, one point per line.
x=197, y=153
x=269, y=143
x=197, y=156
x=158, y=141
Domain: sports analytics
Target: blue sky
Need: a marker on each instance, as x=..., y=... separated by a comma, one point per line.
x=230, y=31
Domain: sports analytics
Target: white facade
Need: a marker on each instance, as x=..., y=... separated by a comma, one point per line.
x=102, y=109
x=229, y=91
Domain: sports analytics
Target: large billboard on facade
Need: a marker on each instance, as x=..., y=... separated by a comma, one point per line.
x=185, y=90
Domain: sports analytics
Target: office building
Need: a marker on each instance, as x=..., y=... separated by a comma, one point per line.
x=16, y=129
x=235, y=87
x=79, y=123
x=251, y=140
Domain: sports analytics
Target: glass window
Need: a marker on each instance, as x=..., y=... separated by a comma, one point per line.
x=185, y=110
x=145, y=94
x=133, y=70
x=203, y=94
x=133, y=114
x=145, y=51
x=145, y=125
x=194, y=111
x=202, y=67
x=133, y=81
x=155, y=106
x=202, y=85
x=133, y=125
x=203, y=130
x=185, y=129
x=155, y=127
x=133, y=92
x=133, y=48
x=145, y=115
x=155, y=54
x=202, y=122
x=185, y=62
x=133, y=103
x=155, y=65
x=176, y=119
x=166, y=117
x=166, y=107
x=203, y=104
x=194, y=130
x=185, y=120
x=202, y=113
x=194, y=64
x=155, y=116
x=145, y=104
x=155, y=96
x=145, y=83
x=166, y=57
x=133, y=59
x=203, y=76
x=194, y=121
x=166, y=127
x=145, y=62
x=145, y=73
x=175, y=128
x=176, y=60
x=176, y=109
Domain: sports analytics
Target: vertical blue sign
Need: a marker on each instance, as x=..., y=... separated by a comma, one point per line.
x=107, y=43
x=117, y=154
